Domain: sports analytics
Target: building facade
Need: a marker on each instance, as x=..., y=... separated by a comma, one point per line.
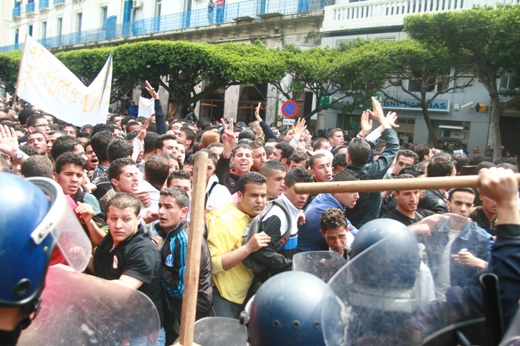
x=454, y=115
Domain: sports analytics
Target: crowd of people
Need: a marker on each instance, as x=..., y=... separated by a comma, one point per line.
x=129, y=182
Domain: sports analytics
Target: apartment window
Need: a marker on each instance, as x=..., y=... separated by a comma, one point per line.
x=104, y=15
x=508, y=81
x=60, y=26
x=44, y=30
x=30, y=30
x=432, y=80
x=79, y=20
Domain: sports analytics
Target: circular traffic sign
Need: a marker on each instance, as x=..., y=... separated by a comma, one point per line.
x=289, y=109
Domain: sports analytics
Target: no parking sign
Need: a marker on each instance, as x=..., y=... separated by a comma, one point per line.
x=289, y=109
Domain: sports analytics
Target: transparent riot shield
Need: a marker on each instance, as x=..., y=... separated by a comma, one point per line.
x=512, y=335
x=216, y=331
x=79, y=309
x=323, y=264
x=385, y=295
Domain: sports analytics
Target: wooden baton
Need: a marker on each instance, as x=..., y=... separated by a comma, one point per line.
x=391, y=184
x=191, y=278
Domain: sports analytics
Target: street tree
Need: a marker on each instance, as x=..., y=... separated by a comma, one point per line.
x=486, y=38
x=423, y=72
x=326, y=72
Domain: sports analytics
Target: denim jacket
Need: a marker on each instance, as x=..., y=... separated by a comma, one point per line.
x=473, y=238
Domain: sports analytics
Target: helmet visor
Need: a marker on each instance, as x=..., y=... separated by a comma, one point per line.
x=63, y=226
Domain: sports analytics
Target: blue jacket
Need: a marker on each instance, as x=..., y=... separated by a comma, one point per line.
x=309, y=237
x=473, y=238
x=369, y=203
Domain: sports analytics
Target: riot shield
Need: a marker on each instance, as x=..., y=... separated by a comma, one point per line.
x=216, y=331
x=512, y=336
x=79, y=309
x=384, y=294
x=323, y=264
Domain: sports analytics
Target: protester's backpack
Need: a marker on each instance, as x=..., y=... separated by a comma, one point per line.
x=255, y=226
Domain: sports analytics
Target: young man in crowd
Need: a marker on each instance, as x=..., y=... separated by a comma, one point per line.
x=335, y=137
x=309, y=238
x=276, y=223
x=124, y=177
x=275, y=173
x=486, y=214
x=441, y=165
x=459, y=249
x=282, y=151
x=334, y=229
x=259, y=156
x=172, y=229
x=407, y=202
x=126, y=256
x=369, y=204
x=226, y=228
x=38, y=141
x=69, y=175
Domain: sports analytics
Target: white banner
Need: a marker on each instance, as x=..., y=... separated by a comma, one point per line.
x=49, y=85
x=146, y=107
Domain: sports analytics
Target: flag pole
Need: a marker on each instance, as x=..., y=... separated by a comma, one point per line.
x=19, y=72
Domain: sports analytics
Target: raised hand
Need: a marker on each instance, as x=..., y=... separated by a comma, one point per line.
x=299, y=128
x=151, y=90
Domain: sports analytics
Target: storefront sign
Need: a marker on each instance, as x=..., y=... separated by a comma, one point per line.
x=435, y=106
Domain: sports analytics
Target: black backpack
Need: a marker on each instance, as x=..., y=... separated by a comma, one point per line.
x=255, y=226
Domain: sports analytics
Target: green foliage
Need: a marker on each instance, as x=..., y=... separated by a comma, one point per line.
x=486, y=38
x=9, y=64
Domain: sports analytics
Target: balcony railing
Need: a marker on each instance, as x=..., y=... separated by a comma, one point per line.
x=57, y=2
x=178, y=21
x=387, y=13
x=29, y=7
x=43, y=4
x=16, y=12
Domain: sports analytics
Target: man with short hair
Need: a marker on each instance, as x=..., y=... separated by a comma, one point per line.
x=441, y=165
x=99, y=143
x=404, y=157
x=335, y=137
x=320, y=167
x=226, y=228
x=65, y=144
x=276, y=223
x=369, y=204
x=275, y=173
x=38, y=141
x=38, y=123
x=282, y=151
x=119, y=148
x=172, y=229
x=309, y=238
x=424, y=151
x=406, y=205
x=321, y=143
x=166, y=143
x=259, y=156
x=186, y=136
x=126, y=256
x=298, y=159
x=37, y=166
x=70, y=176
x=181, y=180
x=123, y=175
x=334, y=229
x=486, y=214
x=242, y=159
x=458, y=250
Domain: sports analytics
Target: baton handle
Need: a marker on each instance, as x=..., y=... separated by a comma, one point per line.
x=391, y=184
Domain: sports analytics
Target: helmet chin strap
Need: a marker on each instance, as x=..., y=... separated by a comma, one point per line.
x=29, y=312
